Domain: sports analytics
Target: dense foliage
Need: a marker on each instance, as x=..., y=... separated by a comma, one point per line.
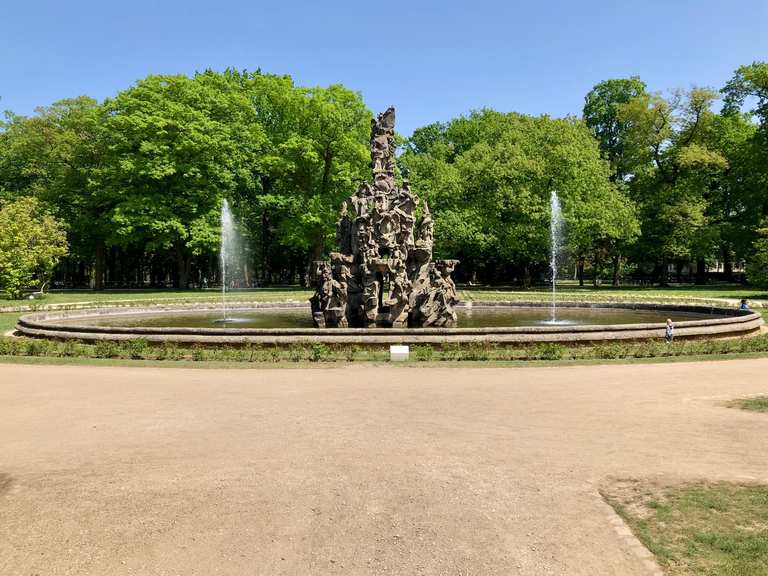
x=656, y=188
x=31, y=243
x=489, y=176
x=141, y=177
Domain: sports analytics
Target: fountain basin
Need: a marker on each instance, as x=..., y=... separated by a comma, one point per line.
x=171, y=323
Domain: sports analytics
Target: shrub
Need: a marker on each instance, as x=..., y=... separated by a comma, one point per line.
x=319, y=352
x=612, y=350
x=649, y=349
x=70, y=348
x=423, y=352
x=9, y=346
x=105, y=349
x=165, y=352
x=548, y=351
x=198, y=353
x=137, y=349
x=33, y=347
x=477, y=351
x=451, y=351
x=295, y=353
x=248, y=353
x=274, y=354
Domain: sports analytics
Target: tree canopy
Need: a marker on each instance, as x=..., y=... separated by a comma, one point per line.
x=31, y=244
x=488, y=177
x=652, y=185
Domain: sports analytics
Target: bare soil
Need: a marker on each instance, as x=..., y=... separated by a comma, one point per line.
x=356, y=470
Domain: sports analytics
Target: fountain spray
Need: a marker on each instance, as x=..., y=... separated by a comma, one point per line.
x=228, y=250
x=555, y=231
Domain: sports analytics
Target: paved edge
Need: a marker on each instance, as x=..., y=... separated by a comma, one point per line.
x=645, y=556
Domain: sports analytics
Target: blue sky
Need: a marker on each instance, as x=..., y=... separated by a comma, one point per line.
x=433, y=60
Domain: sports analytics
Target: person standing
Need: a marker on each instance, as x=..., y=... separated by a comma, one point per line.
x=669, y=335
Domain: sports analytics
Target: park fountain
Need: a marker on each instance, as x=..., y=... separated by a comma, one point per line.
x=381, y=287
x=556, y=238
x=227, y=254
x=401, y=296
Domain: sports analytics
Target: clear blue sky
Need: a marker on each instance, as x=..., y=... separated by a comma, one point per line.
x=432, y=59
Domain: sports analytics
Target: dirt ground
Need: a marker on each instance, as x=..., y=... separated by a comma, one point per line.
x=354, y=470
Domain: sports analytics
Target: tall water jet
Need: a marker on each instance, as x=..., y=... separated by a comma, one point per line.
x=228, y=252
x=556, y=238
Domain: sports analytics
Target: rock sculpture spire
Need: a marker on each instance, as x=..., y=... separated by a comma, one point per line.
x=383, y=274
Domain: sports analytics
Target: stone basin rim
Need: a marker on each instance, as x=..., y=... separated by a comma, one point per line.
x=728, y=322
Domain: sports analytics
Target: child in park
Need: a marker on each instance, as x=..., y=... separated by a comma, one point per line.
x=669, y=336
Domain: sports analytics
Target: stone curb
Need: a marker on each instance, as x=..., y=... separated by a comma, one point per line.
x=623, y=531
x=43, y=324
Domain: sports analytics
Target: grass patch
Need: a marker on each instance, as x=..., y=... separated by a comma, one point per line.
x=726, y=295
x=756, y=404
x=140, y=297
x=702, y=529
x=8, y=321
x=566, y=291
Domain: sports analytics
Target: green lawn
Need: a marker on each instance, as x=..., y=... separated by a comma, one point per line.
x=571, y=291
x=7, y=321
x=566, y=291
x=143, y=296
x=699, y=529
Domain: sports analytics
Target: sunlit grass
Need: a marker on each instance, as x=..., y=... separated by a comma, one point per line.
x=702, y=529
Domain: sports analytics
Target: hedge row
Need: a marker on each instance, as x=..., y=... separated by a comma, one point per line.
x=140, y=349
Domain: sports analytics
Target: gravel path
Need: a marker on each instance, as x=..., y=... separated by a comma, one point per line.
x=356, y=470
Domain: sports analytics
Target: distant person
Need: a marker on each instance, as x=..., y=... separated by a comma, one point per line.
x=744, y=304
x=205, y=283
x=669, y=335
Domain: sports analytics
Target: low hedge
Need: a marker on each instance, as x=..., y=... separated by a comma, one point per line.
x=140, y=349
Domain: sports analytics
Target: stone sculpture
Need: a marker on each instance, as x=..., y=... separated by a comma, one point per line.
x=383, y=274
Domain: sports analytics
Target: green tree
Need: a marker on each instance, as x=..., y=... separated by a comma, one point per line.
x=31, y=243
x=749, y=86
x=53, y=156
x=680, y=150
x=488, y=178
x=175, y=147
x=324, y=160
x=602, y=114
x=315, y=152
x=757, y=268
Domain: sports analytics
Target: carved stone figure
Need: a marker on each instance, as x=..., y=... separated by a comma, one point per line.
x=344, y=231
x=383, y=273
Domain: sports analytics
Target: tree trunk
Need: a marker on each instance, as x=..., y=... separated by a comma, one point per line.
x=526, y=276
x=315, y=254
x=327, y=162
x=183, y=263
x=303, y=274
x=99, y=265
x=580, y=270
x=663, y=275
x=701, y=271
x=616, y=269
x=727, y=265
x=595, y=269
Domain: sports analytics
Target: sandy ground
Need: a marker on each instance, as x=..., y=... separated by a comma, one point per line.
x=355, y=470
